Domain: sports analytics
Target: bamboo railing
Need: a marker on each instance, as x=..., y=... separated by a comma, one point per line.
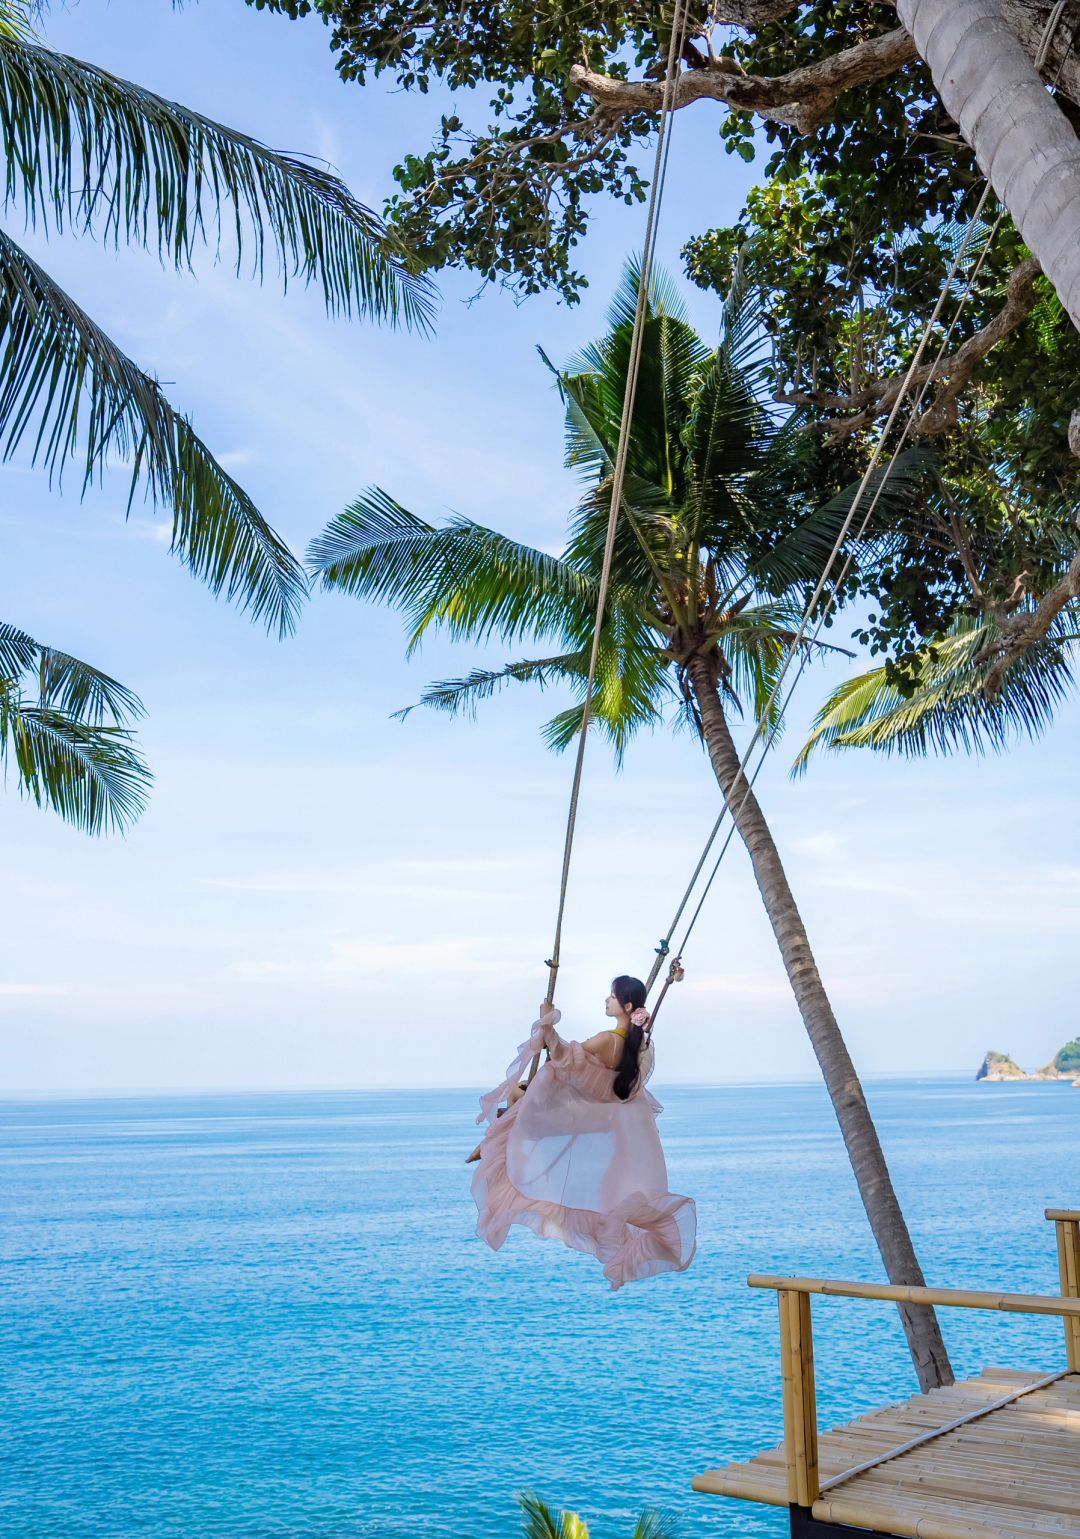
x=804, y=1483
x=1067, y=1224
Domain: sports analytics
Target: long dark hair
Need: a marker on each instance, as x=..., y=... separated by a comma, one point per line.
x=630, y=992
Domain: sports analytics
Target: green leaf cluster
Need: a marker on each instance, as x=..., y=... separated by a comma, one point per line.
x=505, y=187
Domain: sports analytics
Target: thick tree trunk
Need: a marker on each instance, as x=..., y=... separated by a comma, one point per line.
x=1022, y=140
x=849, y=1101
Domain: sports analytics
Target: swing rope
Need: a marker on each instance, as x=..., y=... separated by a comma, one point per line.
x=799, y=641
x=675, y=969
x=618, y=478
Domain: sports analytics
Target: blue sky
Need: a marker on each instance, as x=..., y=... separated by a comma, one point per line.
x=319, y=895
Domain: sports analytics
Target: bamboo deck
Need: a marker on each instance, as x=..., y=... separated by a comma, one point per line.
x=1011, y=1473
x=997, y=1457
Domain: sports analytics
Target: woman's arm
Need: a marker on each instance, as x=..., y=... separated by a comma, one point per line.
x=547, y=1021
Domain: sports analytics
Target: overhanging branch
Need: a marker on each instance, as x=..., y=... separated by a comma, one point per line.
x=1022, y=631
x=801, y=97
x=1021, y=297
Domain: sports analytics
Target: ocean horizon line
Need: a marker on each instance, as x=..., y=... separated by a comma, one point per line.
x=179, y=1092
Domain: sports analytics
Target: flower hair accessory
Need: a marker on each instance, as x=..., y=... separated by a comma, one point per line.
x=639, y=1017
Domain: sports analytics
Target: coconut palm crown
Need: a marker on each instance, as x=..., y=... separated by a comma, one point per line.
x=718, y=541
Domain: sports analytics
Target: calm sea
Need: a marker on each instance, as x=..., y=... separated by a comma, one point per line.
x=237, y=1317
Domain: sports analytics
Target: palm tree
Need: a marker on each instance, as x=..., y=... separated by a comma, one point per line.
x=716, y=546
x=540, y=1522
x=69, y=739
x=947, y=708
x=85, y=150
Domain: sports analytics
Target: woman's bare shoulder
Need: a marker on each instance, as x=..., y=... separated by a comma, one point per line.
x=606, y=1046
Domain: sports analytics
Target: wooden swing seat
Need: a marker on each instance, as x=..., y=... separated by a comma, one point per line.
x=993, y=1457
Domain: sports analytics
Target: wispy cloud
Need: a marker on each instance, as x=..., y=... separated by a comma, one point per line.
x=30, y=990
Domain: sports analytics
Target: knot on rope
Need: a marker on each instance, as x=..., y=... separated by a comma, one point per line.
x=676, y=972
x=663, y=948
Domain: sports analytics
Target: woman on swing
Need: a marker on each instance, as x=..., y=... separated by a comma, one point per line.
x=578, y=1157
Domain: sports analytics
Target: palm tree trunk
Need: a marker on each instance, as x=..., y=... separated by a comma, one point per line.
x=846, y=1093
x=1023, y=142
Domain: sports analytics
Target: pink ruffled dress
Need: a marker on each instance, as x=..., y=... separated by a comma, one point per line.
x=575, y=1163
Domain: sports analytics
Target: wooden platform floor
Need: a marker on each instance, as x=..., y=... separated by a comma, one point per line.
x=1012, y=1474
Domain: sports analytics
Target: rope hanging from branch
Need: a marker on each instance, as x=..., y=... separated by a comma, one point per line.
x=799, y=641
x=618, y=476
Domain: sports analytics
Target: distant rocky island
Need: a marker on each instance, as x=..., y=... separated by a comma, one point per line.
x=1064, y=1065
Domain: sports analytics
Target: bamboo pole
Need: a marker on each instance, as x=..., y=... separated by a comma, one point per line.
x=960, y=1298
x=882, y=1517
x=800, y=1407
x=1068, y=1247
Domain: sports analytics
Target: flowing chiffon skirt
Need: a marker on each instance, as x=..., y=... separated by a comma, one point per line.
x=572, y=1162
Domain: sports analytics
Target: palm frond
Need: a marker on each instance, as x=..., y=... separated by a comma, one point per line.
x=730, y=433
x=801, y=556
x=87, y=149
x=743, y=338
x=15, y=20
x=18, y=653
x=663, y=297
x=71, y=747
x=540, y=1522
x=646, y=536
x=948, y=708
x=653, y=1524
x=754, y=644
x=727, y=436
x=460, y=697
x=64, y=684
x=76, y=689
x=463, y=578
x=66, y=384
x=92, y=776
x=633, y=682
x=625, y=698
x=593, y=384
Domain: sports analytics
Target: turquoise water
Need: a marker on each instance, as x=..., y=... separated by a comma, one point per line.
x=244, y=1317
